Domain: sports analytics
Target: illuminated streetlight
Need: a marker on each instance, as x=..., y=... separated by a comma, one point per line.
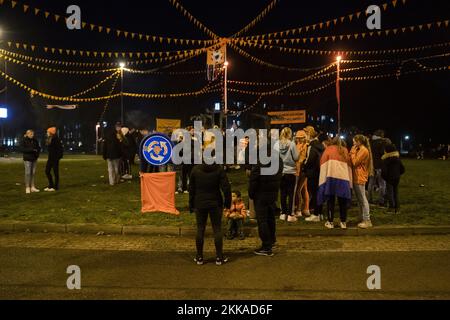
x=122, y=66
x=338, y=92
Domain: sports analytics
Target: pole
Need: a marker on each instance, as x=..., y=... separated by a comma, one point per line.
x=121, y=96
x=338, y=94
x=226, y=95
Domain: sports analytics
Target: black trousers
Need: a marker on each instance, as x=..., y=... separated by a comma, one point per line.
x=287, y=193
x=313, y=189
x=265, y=216
x=392, y=194
x=52, y=165
x=185, y=174
x=215, y=214
x=342, y=209
x=235, y=226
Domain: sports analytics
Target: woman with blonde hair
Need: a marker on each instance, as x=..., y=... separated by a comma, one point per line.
x=31, y=151
x=301, y=190
x=289, y=155
x=362, y=162
x=335, y=181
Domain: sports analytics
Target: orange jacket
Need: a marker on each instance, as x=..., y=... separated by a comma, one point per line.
x=236, y=207
x=361, y=162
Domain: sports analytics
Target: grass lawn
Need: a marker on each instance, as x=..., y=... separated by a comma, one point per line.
x=85, y=196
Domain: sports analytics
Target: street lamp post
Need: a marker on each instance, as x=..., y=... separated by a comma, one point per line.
x=225, y=93
x=338, y=92
x=122, y=66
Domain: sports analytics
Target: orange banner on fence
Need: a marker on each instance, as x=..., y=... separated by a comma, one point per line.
x=158, y=192
x=287, y=117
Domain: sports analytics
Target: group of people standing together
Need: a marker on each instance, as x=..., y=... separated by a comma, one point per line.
x=319, y=170
x=31, y=150
x=315, y=171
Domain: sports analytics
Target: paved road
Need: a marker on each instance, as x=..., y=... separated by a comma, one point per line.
x=33, y=266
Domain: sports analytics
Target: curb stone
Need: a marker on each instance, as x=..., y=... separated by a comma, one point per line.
x=190, y=231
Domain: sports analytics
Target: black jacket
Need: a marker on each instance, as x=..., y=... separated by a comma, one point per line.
x=392, y=167
x=111, y=147
x=311, y=166
x=377, y=145
x=55, y=149
x=205, y=184
x=30, y=149
x=129, y=147
x=265, y=187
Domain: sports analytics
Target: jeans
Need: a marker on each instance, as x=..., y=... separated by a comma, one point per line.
x=377, y=180
x=185, y=174
x=287, y=193
x=52, y=165
x=125, y=166
x=113, y=171
x=215, y=214
x=363, y=204
x=342, y=209
x=235, y=226
x=265, y=216
x=392, y=194
x=30, y=173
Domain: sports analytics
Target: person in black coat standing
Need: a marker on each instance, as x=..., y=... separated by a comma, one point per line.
x=112, y=153
x=263, y=190
x=55, y=154
x=311, y=169
x=31, y=151
x=392, y=170
x=205, y=198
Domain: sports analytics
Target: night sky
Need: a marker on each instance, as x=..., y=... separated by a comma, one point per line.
x=416, y=104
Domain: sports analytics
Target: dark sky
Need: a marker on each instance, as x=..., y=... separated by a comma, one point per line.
x=416, y=104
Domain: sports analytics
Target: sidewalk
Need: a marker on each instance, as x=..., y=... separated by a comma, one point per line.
x=287, y=231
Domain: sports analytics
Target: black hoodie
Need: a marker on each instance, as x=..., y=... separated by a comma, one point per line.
x=205, y=186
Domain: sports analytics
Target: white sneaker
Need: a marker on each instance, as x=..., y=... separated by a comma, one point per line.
x=306, y=213
x=365, y=224
x=27, y=190
x=186, y=192
x=329, y=225
x=298, y=213
x=283, y=217
x=33, y=189
x=292, y=219
x=344, y=225
x=313, y=218
x=49, y=190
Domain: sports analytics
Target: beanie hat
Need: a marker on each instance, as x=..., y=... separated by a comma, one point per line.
x=51, y=130
x=390, y=148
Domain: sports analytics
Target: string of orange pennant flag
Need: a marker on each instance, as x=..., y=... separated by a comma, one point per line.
x=165, y=55
x=114, y=76
x=58, y=18
x=352, y=52
x=268, y=64
x=192, y=19
x=353, y=36
x=258, y=18
x=322, y=25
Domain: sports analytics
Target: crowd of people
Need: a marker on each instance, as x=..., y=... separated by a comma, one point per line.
x=315, y=172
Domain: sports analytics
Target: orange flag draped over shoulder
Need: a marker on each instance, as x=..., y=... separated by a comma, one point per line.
x=158, y=192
